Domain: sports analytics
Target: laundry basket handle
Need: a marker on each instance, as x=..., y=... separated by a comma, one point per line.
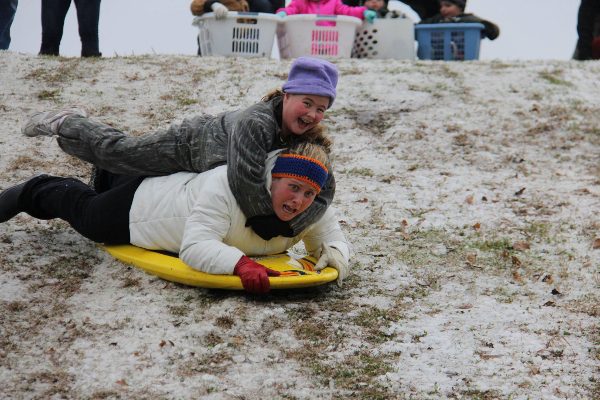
x=454, y=48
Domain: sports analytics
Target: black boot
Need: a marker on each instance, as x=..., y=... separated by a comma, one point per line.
x=9, y=202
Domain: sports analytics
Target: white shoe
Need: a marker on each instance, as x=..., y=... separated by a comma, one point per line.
x=48, y=123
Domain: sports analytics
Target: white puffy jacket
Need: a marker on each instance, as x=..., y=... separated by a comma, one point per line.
x=197, y=216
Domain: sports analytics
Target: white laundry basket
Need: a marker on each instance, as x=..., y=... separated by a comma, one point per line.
x=317, y=35
x=386, y=38
x=244, y=34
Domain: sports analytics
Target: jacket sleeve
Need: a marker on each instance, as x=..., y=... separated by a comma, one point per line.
x=202, y=246
x=342, y=9
x=490, y=30
x=295, y=7
x=326, y=231
x=159, y=153
x=251, y=139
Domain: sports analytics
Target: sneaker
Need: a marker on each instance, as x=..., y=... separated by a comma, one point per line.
x=48, y=123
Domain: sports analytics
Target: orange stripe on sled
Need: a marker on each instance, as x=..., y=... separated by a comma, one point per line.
x=307, y=264
x=289, y=273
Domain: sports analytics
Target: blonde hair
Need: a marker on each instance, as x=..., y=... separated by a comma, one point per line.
x=272, y=94
x=317, y=135
x=312, y=150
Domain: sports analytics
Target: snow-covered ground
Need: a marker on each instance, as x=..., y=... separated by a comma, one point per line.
x=471, y=194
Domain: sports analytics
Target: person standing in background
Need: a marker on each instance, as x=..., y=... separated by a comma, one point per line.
x=53, y=20
x=588, y=29
x=8, y=8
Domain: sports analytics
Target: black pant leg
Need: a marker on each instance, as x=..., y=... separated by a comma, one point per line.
x=88, y=16
x=103, y=218
x=53, y=20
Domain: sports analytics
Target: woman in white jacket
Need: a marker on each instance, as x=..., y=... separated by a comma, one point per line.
x=194, y=215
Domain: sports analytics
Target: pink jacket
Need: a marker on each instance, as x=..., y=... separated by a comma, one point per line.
x=323, y=7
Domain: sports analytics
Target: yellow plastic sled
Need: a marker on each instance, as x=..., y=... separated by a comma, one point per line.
x=296, y=273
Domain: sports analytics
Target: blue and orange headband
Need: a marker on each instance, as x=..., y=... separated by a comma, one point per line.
x=302, y=168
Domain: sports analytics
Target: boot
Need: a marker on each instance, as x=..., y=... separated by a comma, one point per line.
x=9, y=202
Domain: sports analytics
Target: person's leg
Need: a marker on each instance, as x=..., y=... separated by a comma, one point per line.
x=8, y=8
x=53, y=20
x=101, y=217
x=183, y=147
x=88, y=16
x=110, y=148
x=179, y=148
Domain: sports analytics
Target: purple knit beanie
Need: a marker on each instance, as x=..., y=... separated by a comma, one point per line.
x=315, y=76
x=460, y=3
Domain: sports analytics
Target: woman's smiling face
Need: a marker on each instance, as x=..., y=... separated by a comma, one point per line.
x=302, y=112
x=291, y=197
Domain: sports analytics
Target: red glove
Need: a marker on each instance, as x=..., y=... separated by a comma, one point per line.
x=255, y=277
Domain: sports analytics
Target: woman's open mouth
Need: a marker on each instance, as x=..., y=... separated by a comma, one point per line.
x=288, y=209
x=304, y=123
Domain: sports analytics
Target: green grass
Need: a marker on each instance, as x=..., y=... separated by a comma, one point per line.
x=368, y=172
x=496, y=245
x=52, y=94
x=554, y=77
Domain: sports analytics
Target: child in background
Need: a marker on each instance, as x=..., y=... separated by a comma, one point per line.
x=380, y=7
x=454, y=11
x=326, y=7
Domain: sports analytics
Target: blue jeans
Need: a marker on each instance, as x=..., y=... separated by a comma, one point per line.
x=8, y=8
x=53, y=20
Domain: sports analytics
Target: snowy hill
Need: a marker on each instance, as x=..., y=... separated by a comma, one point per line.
x=470, y=192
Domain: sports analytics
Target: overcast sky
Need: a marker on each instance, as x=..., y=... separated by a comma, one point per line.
x=529, y=29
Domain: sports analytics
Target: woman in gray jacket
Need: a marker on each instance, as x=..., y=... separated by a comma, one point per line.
x=239, y=138
x=194, y=215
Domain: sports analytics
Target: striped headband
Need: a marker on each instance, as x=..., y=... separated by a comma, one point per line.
x=302, y=168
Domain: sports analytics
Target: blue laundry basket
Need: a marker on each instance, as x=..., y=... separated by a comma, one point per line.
x=454, y=41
